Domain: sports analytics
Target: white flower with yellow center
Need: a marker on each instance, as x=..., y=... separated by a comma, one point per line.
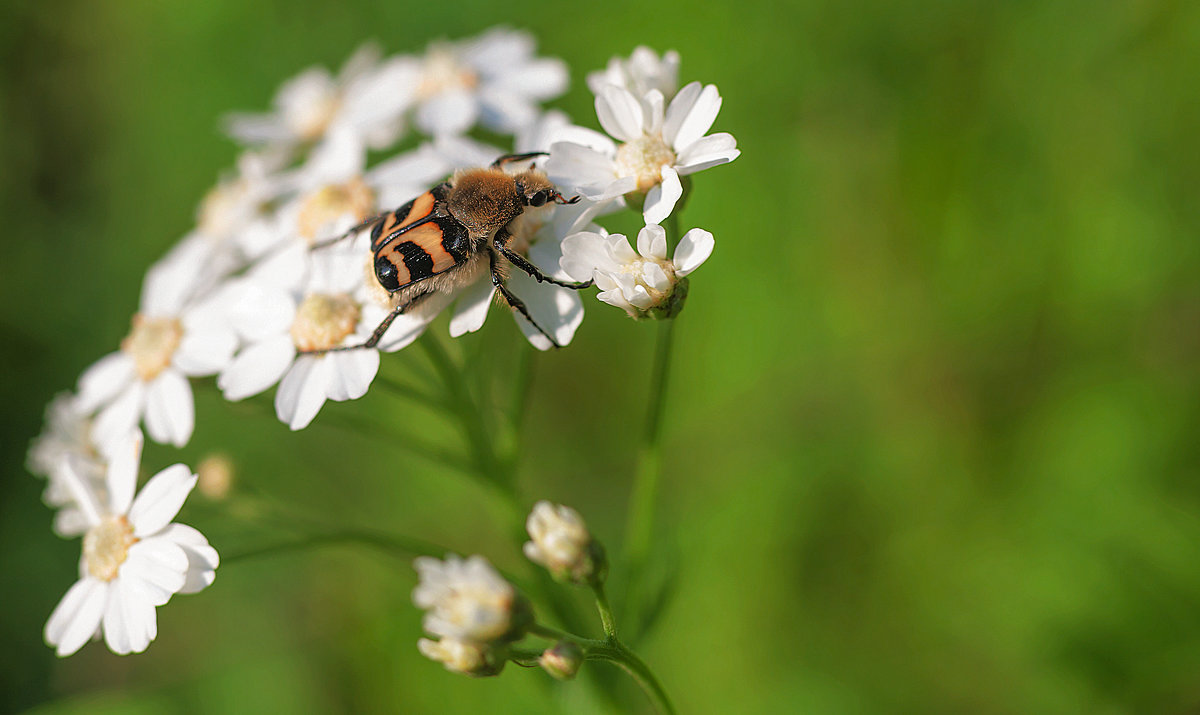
x=468, y=601
x=642, y=72
x=134, y=558
x=495, y=80
x=657, y=147
x=638, y=281
x=298, y=302
x=172, y=337
x=368, y=97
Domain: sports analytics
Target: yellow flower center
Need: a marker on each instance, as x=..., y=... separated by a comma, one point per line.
x=324, y=207
x=323, y=321
x=443, y=72
x=313, y=118
x=106, y=546
x=152, y=343
x=645, y=158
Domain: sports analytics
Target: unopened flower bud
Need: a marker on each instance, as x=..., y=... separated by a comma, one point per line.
x=562, y=661
x=463, y=657
x=561, y=542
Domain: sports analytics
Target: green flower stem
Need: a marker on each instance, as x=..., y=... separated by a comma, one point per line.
x=626, y=660
x=640, y=527
x=643, y=499
x=411, y=392
x=606, y=615
x=483, y=451
x=614, y=651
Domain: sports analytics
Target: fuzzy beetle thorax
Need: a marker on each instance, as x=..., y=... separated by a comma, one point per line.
x=484, y=200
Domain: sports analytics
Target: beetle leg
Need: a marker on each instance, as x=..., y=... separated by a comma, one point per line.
x=510, y=158
x=325, y=243
x=501, y=244
x=515, y=302
x=377, y=334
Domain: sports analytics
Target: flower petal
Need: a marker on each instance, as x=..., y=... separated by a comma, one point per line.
x=691, y=115
x=202, y=558
x=159, y=501
x=620, y=113
x=557, y=310
x=661, y=199
x=129, y=619
x=472, y=307
x=652, y=242
x=694, y=248
x=170, y=409
x=158, y=566
x=103, y=380
x=257, y=367
x=450, y=112
x=77, y=616
x=303, y=390
x=707, y=152
x=206, y=351
x=117, y=420
x=123, y=473
x=583, y=253
x=352, y=373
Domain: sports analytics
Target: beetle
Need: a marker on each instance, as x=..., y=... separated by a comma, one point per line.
x=439, y=241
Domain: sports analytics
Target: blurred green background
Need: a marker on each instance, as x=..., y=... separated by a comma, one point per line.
x=932, y=442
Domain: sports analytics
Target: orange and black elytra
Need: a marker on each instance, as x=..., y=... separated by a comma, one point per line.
x=446, y=232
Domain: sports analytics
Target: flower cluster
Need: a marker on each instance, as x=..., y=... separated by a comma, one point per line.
x=478, y=616
x=474, y=611
x=280, y=283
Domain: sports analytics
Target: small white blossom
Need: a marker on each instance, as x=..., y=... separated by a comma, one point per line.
x=298, y=302
x=562, y=543
x=134, y=558
x=462, y=656
x=658, y=147
x=368, y=98
x=642, y=72
x=468, y=601
x=637, y=281
x=494, y=80
x=68, y=437
x=173, y=337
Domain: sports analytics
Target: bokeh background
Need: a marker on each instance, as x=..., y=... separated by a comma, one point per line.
x=932, y=442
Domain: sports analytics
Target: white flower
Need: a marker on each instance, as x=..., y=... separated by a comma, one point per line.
x=173, y=337
x=494, y=79
x=134, y=558
x=641, y=281
x=236, y=213
x=462, y=656
x=561, y=542
x=468, y=601
x=657, y=147
x=367, y=98
x=642, y=72
x=300, y=302
x=68, y=431
x=68, y=436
